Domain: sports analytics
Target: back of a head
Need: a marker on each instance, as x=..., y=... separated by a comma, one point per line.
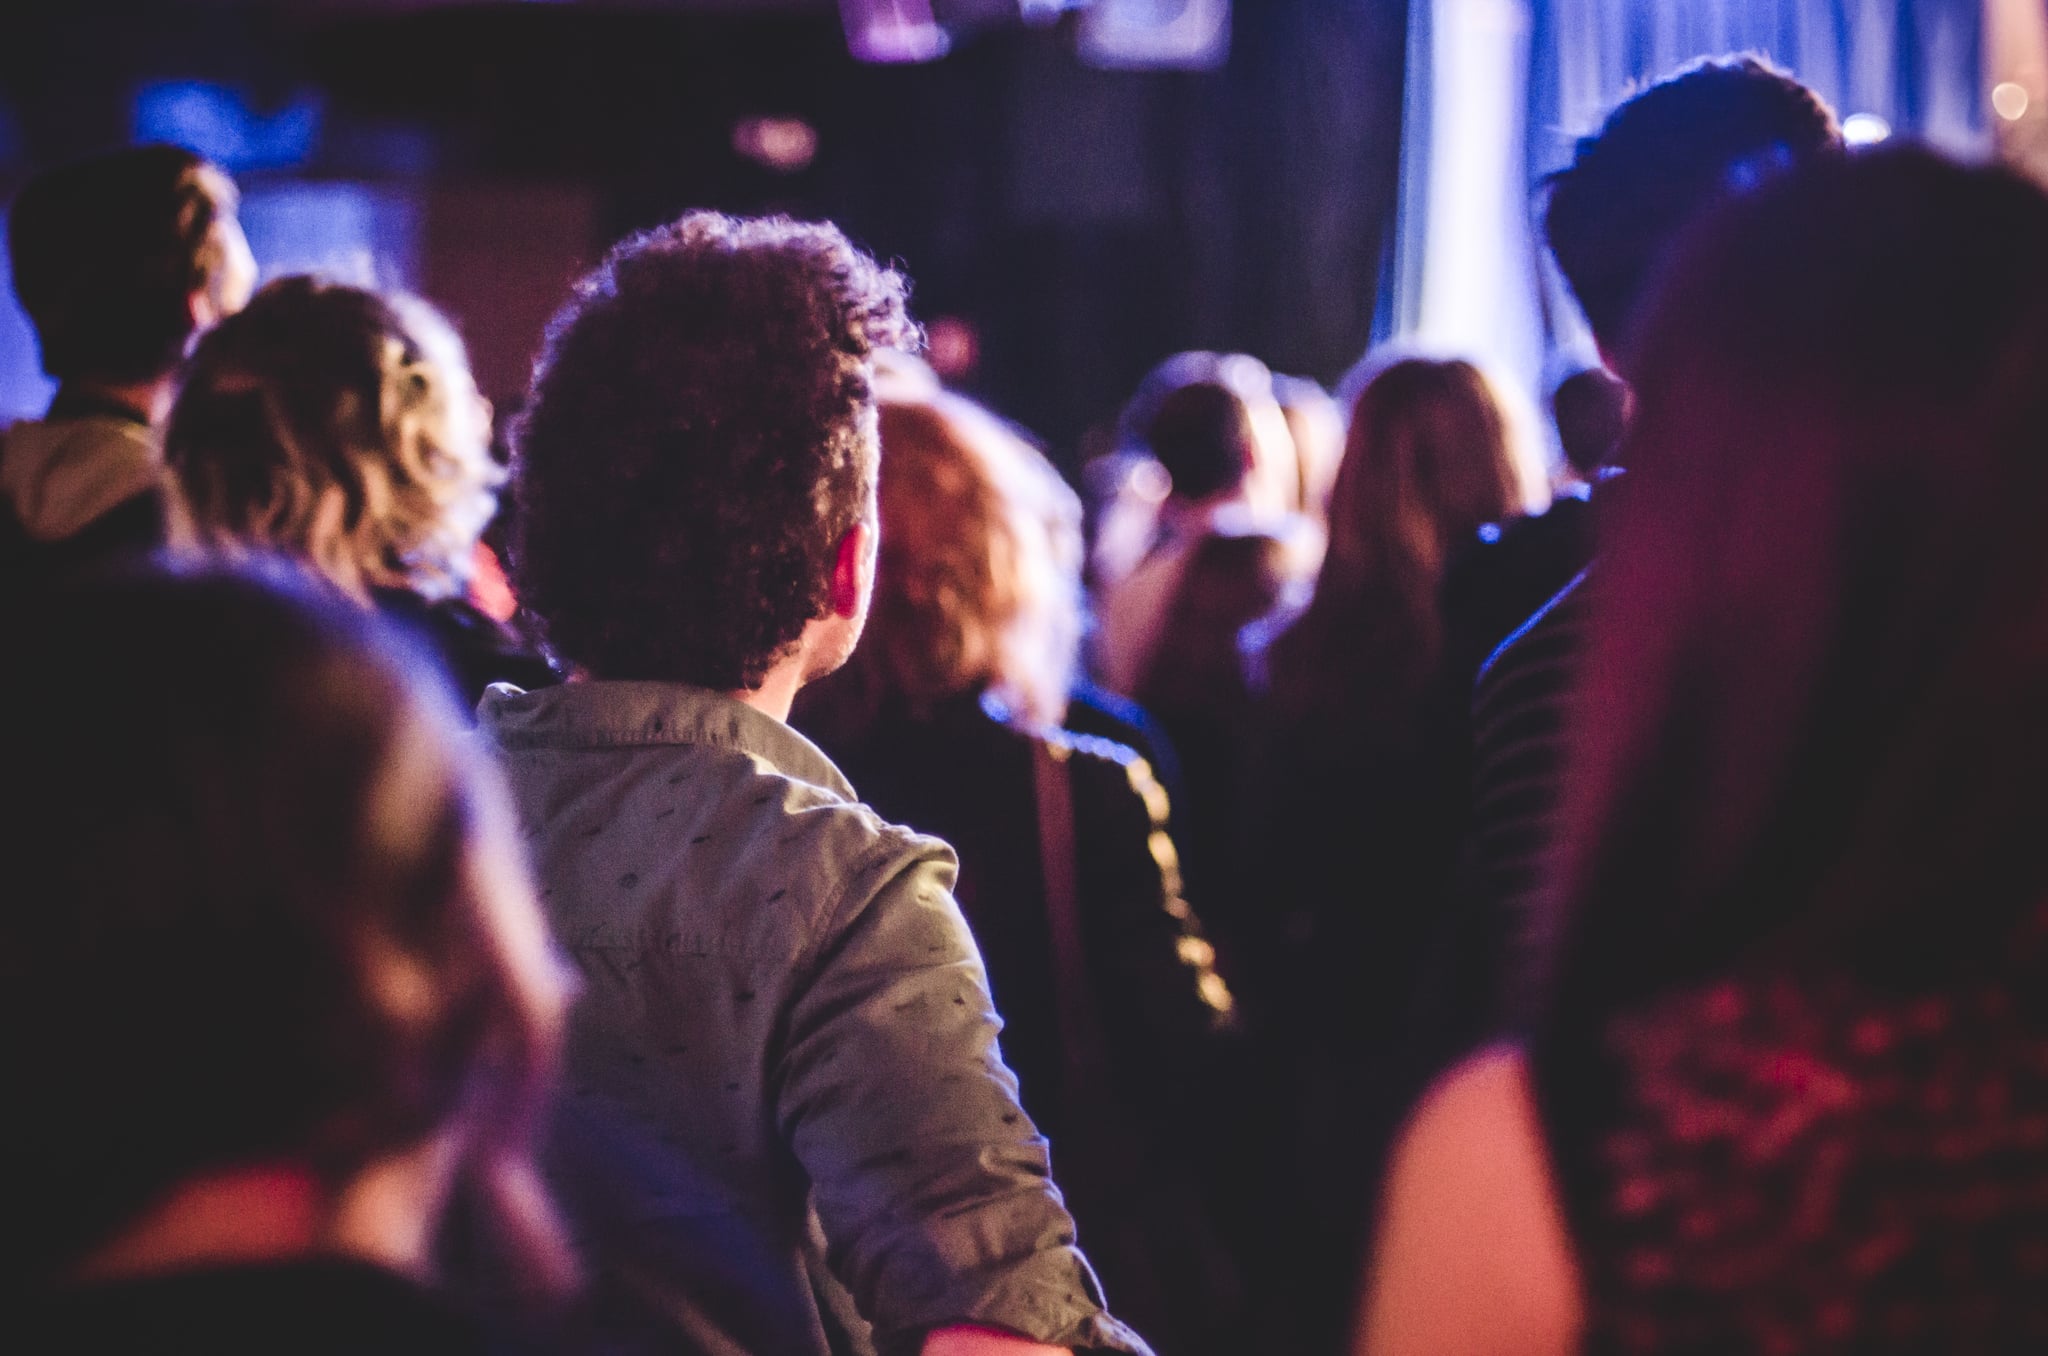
x=1590, y=409
x=332, y=424
x=107, y=252
x=1818, y=657
x=1662, y=157
x=1428, y=460
x=698, y=440
x=1211, y=420
x=1202, y=434
x=260, y=912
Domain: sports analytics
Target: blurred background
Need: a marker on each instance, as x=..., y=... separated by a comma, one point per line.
x=1077, y=187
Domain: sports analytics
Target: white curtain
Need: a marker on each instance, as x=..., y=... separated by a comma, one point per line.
x=1498, y=90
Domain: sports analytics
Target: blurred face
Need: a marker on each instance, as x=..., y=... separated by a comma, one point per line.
x=234, y=281
x=1273, y=485
x=1318, y=432
x=230, y=266
x=391, y=1209
x=424, y=771
x=512, y=914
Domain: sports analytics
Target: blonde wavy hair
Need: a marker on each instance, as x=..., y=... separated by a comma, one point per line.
x=340, y=427
x=978, y=585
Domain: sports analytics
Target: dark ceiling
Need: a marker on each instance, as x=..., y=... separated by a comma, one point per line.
x=1088, y=222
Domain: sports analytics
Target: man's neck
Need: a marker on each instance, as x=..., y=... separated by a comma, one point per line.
x=824, y=645
x=777, y=692
x=148, y=401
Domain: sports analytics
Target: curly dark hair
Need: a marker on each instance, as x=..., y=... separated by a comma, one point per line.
x=1663, y=156
x=699, y=438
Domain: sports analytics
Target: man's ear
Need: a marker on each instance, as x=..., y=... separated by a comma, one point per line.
x=853, y=570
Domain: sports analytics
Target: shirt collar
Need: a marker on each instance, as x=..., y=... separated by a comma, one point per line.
x=602, y=714
x=74, y=402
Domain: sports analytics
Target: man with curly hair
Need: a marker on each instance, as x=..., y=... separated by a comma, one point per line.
x=788, y=1128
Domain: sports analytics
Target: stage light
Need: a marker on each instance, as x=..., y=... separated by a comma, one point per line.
x=892, y=32
x=785, y=145
x=2009, y=99
x=1155, y=34
x=1865, y=129
x=952, y=346
x=1038, y=13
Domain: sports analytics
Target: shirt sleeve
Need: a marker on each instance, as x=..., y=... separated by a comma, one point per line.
x=1169, y=1017
x=932, y=1184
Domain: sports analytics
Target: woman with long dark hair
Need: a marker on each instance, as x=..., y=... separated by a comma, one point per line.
x=1364, y=727
x=1353, y=825
x=1791, y=1092
x=1429, y=459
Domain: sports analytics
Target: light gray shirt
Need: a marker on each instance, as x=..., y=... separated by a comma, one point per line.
x=786, y=1126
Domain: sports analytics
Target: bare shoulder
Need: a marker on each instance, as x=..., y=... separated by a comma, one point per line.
x=1480, y=1117
x=1472, y=1256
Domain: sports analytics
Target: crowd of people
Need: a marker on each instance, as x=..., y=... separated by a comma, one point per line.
x=803, y=880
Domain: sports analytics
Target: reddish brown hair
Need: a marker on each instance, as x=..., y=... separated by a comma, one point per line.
x=978, y=583
x=1427, y=461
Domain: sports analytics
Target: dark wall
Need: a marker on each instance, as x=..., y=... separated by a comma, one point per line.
x=1086, y=223
x=1096, y=221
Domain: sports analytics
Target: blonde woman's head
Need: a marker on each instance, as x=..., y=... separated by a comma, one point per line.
x=341, y=427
